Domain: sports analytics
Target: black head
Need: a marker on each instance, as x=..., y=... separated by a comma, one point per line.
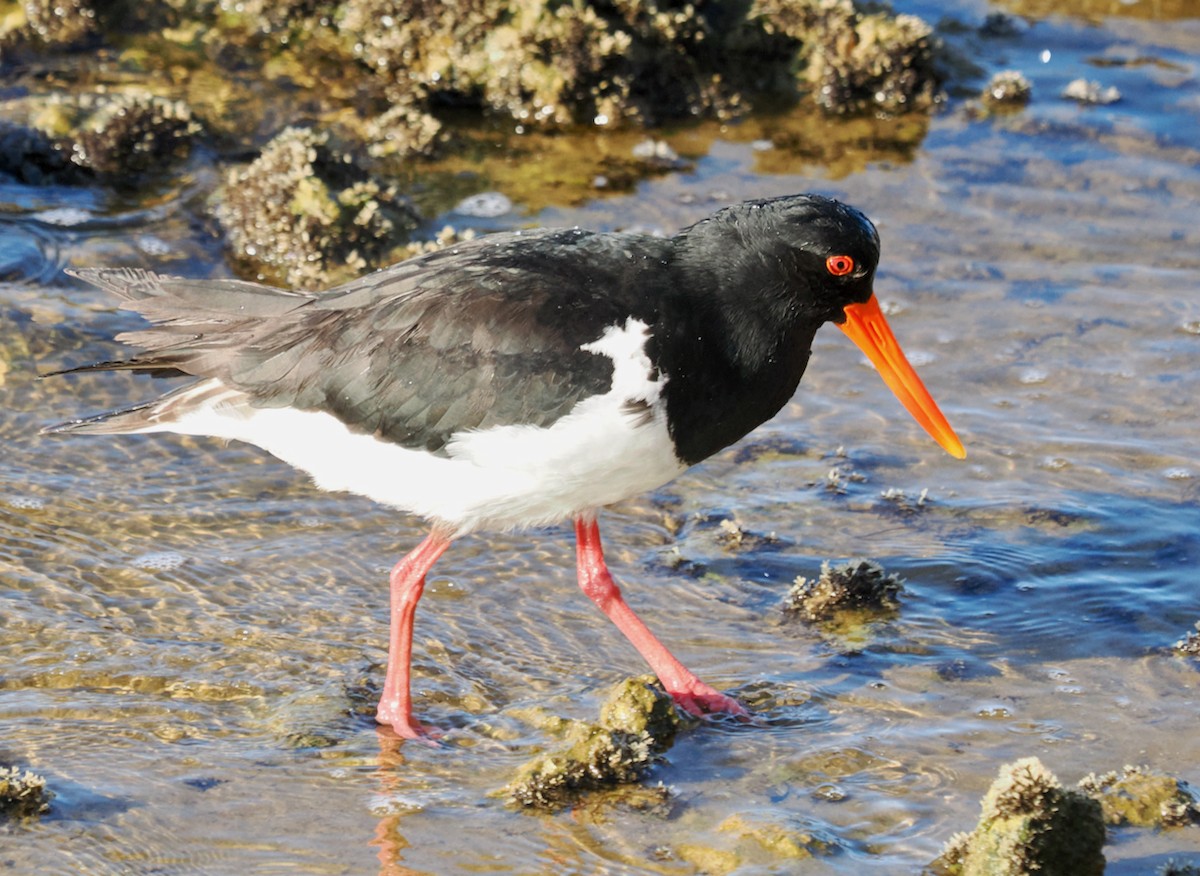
x=815, y=253
x=778, y=270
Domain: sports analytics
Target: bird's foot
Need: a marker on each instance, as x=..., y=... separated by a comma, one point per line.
x=699, y=699
x=403, y=724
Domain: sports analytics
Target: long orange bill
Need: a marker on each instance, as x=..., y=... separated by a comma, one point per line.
x=866, y=326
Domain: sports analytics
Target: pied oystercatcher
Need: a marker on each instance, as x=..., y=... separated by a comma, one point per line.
x=519, y=379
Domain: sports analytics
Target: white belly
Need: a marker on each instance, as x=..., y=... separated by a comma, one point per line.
x=504, y=477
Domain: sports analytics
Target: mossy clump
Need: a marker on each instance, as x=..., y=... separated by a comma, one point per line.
x=304, y=213
x=638, y=722
x=1008, y=89
x=1030, y=825
x=1140, y=797
x=858, y=585
x=22, y=794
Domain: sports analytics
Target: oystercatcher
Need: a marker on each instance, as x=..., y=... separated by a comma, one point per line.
x=518, y=380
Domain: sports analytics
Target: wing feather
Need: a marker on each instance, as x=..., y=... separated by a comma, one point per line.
x=486, y=334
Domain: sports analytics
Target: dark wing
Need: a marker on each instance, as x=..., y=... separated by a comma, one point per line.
x=484, y=334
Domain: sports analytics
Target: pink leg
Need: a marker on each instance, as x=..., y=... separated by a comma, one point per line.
x=408, y=582
x=594, y=579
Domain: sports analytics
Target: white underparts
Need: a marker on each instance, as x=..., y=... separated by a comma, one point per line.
x=608, y=448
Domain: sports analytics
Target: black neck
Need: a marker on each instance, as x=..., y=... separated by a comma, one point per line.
x=733, y=352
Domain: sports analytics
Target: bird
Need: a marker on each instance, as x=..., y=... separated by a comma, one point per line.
x=520, y=379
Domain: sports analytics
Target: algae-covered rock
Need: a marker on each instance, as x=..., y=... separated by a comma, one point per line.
x=22, y=794
x=638, y=722
x=858, y=586
x=303, y=213
x=1030, y=824
x=1140, y=797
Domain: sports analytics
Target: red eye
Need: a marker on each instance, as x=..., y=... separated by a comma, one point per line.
x=839, y=265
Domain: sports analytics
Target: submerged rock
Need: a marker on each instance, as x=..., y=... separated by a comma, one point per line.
x=1140, y=797
x=638, y=722
x=22, y=794
x=1030, y=825
x=857, y=585
x=1090, y=92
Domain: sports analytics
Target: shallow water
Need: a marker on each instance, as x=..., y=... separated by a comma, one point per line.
x=193, y=635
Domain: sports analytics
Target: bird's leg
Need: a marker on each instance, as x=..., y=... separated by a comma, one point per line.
x=594, y=579
x=407, y=583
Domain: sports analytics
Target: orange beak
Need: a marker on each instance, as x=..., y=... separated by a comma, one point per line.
x=867, y=327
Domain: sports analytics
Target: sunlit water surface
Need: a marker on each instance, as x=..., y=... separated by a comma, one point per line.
x=192, y=635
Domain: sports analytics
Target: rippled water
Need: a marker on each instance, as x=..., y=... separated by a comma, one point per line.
x=193, y=636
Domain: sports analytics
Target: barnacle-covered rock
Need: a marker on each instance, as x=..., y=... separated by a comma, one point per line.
x=637, y=723
x=22, y=794
x=858, y=585
x=1008, y=88
x=1141, y=797
x=858, y=62
x=305, y=213
x=1030, y=825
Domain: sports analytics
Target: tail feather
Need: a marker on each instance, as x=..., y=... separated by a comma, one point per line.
x=158, y=414
x=155, y=366
x=128, y=284
x=196, y=328
x=124, y=420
